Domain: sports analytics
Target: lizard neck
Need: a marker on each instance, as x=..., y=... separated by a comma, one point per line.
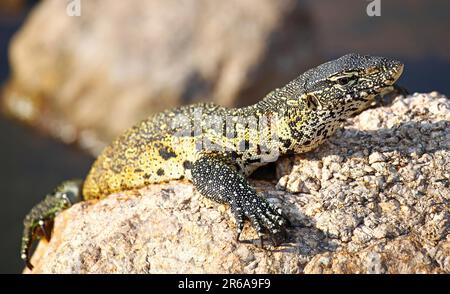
x=278, y=117
x=290, y=121
x=272, y=103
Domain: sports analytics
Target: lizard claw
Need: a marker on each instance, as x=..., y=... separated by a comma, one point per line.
x=45, y=229
x=34, y=230
x=261, y=242
x=263, y=216
x=239, y=222
x=401, y=90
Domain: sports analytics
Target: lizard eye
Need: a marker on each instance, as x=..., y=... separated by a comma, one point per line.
x=343, y=81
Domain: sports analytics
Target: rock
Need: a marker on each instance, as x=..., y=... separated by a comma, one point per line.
x=358, y=219
x=399, y=256
x=150, y=232
x=86, y=78
x=376, y=157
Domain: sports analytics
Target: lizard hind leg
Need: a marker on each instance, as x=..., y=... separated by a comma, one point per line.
x=38, y=222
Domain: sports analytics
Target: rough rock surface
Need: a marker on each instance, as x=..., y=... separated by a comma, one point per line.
x=373, y=199
x=89, y=77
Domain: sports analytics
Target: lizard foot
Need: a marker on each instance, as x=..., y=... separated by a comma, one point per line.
x=217, y=180
x=39, y=221
x=264, y=217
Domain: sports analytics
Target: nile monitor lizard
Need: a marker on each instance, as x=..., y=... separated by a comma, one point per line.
x=215, y=147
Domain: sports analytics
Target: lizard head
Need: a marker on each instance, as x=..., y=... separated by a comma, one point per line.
x=348, y=84
x=320, y=99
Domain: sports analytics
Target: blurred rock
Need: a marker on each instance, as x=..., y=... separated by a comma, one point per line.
x=383, y=207
x=11, y=7
x=86, y=78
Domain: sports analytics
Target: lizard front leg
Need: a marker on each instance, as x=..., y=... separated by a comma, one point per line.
x=217, y=180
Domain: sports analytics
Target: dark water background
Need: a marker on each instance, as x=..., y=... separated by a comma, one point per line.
x=32, y=164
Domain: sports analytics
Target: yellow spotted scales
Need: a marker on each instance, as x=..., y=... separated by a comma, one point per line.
x=216, y=147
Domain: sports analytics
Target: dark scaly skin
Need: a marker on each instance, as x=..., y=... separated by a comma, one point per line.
x=221, y=146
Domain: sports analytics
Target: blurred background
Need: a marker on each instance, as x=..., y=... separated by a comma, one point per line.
x=75, y=73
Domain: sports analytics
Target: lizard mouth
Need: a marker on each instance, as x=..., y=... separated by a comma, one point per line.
x=394, y=74
x=399, y=71
x=389, y=84
x=391, y=88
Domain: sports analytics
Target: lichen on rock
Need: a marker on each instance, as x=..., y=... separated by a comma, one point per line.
x=373, y=199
